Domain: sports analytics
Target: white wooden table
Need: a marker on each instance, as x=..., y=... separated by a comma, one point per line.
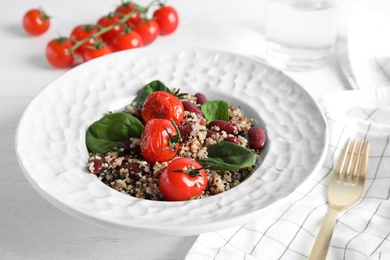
x=30, y=227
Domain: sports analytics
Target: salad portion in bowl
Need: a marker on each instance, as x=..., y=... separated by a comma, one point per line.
x=168, y=145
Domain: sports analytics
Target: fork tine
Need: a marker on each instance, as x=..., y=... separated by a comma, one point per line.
x=354, y=161
x=361, y=167
x=342, y=161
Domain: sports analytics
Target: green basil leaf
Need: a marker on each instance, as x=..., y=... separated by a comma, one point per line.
x=111, y=130
x=216, y=109
x=149, y=88
x=227, y=156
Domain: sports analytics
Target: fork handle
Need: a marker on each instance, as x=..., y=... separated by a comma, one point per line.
x=320, y=248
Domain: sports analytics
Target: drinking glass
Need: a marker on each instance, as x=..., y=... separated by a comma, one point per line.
x=300, y=34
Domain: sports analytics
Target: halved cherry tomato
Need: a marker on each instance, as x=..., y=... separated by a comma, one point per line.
x=126, y=40
x=159, y=141
x=82, y=32
x=108, y=20
x=126, y=8
x=58, y=52
x=148, y=30
x=96, y=51
x=167, y=19
x=36, y=22
x=183, y=179
x=161, y=104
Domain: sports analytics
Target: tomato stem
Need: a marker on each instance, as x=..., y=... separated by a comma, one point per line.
x=161, y=3
x=43, y=14
x=173, y=139
x=61, y=39
x=191, y=171
x=150, y=4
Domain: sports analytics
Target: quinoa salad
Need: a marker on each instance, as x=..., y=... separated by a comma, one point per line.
x=125, y=169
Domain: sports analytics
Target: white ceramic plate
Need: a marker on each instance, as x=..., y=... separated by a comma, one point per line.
x=50, y=139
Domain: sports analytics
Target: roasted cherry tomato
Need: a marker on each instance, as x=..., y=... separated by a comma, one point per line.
x=83, y=31
x=183, y=179
x=109, y=20
x=167, y=19
x=126, y=40
x=96, y=51
x=159, y=141
x=58, y=52
x=161, y=104
x=126, y=8
x=148, y=30
x=36, y=22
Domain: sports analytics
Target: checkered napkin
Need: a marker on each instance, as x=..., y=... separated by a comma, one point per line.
x=361, y=232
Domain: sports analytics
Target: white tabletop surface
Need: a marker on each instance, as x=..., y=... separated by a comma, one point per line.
x=30, y=227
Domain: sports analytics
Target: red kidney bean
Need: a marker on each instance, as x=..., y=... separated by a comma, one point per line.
x=188, y=106
x=226, y=126
x=97, y=166
x=232, y=139
x=126, y=144
x=210, y=133
x=132, y=167
x=185, y=129
x=200, y=98
x=256, y=137
x=135, y=150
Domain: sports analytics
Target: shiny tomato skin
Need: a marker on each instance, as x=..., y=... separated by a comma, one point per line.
x=58, y=52
x=154, y=141
x=36, y=22
x=148, y=30
x=126, y=8
x=161, y=104
x=179, y=186
x=80, y=32
x=167, y=19
x=95, y=52
x=109, y=20
x=126, y=41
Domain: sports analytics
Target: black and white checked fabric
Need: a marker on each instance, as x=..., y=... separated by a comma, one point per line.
x=288, y=233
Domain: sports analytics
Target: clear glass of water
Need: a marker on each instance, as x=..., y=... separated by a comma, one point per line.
x=300, y=34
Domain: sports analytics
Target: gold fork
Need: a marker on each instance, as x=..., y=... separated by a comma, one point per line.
x=345, y=188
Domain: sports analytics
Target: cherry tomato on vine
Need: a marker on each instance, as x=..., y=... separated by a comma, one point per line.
x=183, y=179
x=92, y=52
x=36, y=22
x=126, y=8
x=167, y=19
x=83, y=31
x=58, y=52
x=109, y=20
x=148, y=30
x=159, y=140
x=161, y=104
x=126, y=40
